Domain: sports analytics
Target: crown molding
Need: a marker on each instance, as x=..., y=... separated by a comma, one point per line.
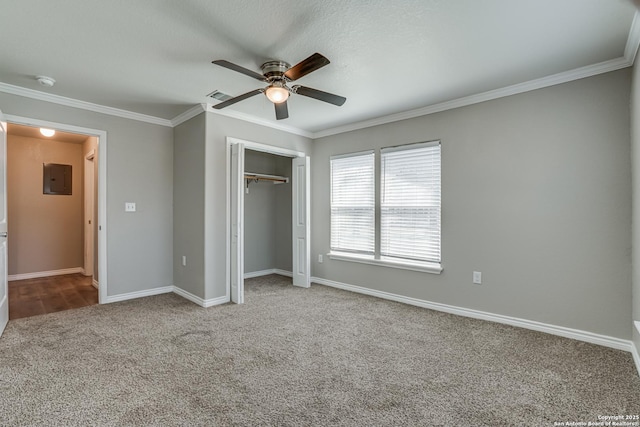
x=555, y=79
x=83, y=105
x=259, y=121
x=189, y=114
x=633, y=42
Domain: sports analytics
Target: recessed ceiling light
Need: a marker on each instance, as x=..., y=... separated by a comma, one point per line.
x=47, y=132
x=45, y=81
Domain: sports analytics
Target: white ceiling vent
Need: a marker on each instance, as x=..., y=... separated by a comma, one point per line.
x=216, y=94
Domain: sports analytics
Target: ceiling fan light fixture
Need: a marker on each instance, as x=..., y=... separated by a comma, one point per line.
x=47, y=132
x=277, y=94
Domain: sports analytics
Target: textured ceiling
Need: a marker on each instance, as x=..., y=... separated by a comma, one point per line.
x=154, y=57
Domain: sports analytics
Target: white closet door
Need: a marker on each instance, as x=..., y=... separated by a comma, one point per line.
x=237, y=223
x=4, y=292
x=301, y=214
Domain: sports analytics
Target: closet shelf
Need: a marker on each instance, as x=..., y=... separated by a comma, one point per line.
x=256, y=177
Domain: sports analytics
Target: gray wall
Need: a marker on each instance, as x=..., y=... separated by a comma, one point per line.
x=635, y=161
x=139, y=169
x=267, y=218
x=188, y=207
x=535, y=194
x=45, y=231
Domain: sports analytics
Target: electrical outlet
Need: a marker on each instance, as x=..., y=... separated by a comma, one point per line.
x=320, y=259
x=477, y=277
x=129, y=207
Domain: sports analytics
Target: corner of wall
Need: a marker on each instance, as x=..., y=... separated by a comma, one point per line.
x=635, y=344
x=635, y=225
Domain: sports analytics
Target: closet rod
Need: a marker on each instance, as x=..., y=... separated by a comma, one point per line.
x=276, y=179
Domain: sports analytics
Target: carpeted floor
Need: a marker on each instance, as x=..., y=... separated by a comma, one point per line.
x=300, y=357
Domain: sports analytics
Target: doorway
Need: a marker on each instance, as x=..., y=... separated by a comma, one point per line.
x=50, y=185
x=72, y=282
x=300, y=199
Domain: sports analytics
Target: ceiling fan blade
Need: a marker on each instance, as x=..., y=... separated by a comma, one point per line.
x=237, y=99
x=282, y=112
x=306, y=66
x=239, y=69
x=320, y=95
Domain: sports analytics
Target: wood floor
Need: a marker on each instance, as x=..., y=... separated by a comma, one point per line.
x=50, y=294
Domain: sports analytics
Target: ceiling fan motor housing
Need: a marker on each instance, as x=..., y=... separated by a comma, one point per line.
x=274, y=70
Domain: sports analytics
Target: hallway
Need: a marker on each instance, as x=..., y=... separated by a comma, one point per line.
x=32, y=297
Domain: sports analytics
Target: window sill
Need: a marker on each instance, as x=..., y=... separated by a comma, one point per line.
x=425, y=267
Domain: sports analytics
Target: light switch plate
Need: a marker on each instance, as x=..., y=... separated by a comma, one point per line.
x=129, y=207
x=477, y=277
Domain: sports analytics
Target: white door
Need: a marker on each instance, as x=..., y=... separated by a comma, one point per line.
x=89, y=217
x=4, y=291
x=301, y=215
x=237, y=223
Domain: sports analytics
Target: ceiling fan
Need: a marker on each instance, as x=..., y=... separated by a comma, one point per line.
x=277, y=74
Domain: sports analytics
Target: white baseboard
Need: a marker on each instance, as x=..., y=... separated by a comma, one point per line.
x=39, y=274
x=95, y=284
x=260, y=273
x=576, y=334
x=282, y=272
x=200, y=301
x=139, y=294
x=165, y=290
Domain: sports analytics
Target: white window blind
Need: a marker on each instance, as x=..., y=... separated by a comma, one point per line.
x=353, y=203
x=410, y=202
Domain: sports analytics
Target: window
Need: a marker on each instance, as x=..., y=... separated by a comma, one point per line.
x=410, y=202
x=353, y=203
x=407, y=234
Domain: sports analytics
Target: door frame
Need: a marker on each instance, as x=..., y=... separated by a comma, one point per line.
x=89, y=211
x=4, y=285
x=256, y=146
x=101, y=135
x=236, y=208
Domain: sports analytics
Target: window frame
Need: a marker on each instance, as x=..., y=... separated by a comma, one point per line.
x=434, y=256
x=376, y=258
x=344, y=250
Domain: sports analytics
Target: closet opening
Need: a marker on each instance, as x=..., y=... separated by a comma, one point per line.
x=269, y=218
